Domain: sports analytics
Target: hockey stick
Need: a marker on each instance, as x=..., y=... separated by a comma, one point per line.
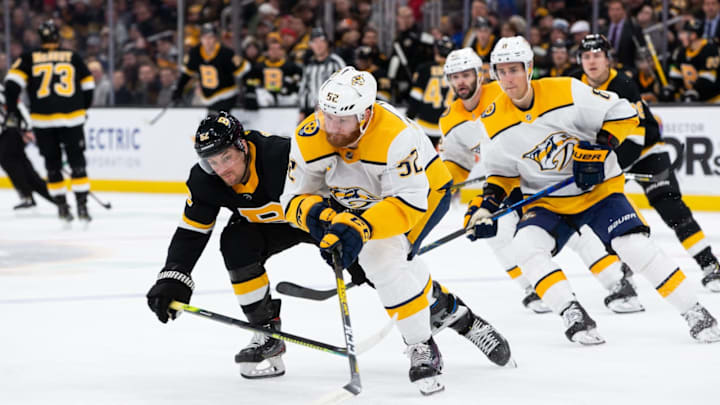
x=105, y=205
x=362, y=346
x=296, y=290
x=161, y=113
x=501, y=213
x=458, y=186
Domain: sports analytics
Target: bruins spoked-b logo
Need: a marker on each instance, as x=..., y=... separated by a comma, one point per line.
x=555, y=152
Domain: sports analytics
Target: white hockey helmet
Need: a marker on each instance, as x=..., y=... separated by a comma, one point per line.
x=348, y=92
x=513, y=49
x=461, y=60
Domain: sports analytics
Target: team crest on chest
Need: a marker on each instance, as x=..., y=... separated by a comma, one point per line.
x=488, y=111
x=354, y=197
x=553, y=153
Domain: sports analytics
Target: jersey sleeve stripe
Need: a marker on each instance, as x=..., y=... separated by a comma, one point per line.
x=324, y=157
x=191, y=225
x=17, y=76
x=88, y=83
x=449, y=131
x=416, y=93
x=556, y=108
x=244, y=68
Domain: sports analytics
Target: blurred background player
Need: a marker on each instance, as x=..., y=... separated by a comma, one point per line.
x=387, y=189
x=322, y=63
x=645, y=78
x=274, y=82
x=694, y=67
x=430, y=94
x=644, y=152
x=60, y=89
x=13, y=159
x=529, y=143
x=482, y=39
x=217, y=69
x=365, y=60
x=561, y=62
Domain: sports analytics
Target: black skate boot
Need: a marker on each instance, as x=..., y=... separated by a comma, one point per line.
x=710, y=268
x=63, y=209
x=533, y=302
x=623, y=298
x=82, y=210
x=262, y=347
x=580, y=327
x=425, y=366
x=703, y=326
x=25, y=203
x=449, y=310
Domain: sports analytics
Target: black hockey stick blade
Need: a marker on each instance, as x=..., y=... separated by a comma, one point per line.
x=298, y=291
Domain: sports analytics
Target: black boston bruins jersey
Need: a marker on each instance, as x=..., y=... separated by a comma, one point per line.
x=273, y=83
x=429, y=97
x=567, y=70
x=217, y=72
x=696, y=70
x=649, y=86
x=384, y=85
x=257, y=201
x=59, y=86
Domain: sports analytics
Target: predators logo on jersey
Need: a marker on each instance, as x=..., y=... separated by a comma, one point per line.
x=553, y=153
x=354, y=197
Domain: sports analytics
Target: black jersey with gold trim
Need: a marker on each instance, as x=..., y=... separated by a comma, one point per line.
x=429, y=97
x=648, y=85
x=277, y=81
x=217, y=71
x=59, y=86
x=256, y=201
x=697, y=70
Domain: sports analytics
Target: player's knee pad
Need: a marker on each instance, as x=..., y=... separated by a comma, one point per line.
x=250, y=283
x=532, y=241
x=240, y=245
x=54, y=176
x=638, y=251
x=589, y=247
x=78, y=172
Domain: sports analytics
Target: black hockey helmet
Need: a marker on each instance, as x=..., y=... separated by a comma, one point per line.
x=49, y=33
x=693, y=25
x=209, y=28
x=559, y=44
x=444, y=46
x=216, y=133
x=364, y=52
x=594, y=43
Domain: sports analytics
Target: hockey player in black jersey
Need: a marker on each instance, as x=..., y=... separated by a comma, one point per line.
x=694, y=67
x=217, y=68
x=60, y=89
x=647, y=154
x=430, y=93
x=365, y=60
x=274, y=82
x=243, y=171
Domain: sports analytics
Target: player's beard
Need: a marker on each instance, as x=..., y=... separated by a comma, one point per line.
x=338, y=140
x=470, y=92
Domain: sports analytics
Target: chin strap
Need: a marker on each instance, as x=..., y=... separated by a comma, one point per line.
x=365, y=124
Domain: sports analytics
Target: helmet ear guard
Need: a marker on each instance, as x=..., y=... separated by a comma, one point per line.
x=216, y=133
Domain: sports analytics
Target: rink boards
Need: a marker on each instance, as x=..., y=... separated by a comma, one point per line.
x=126, y=153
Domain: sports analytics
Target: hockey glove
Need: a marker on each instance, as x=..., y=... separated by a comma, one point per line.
x=589, y=164
x=690, y=96
x=314, y=216
x=171, y=285
x=347, y=232
x=15, y=120
x=478, y=224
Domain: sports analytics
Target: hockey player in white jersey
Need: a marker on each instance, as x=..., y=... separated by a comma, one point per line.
x=542, y=132
x=361, y=177
x=463, y=140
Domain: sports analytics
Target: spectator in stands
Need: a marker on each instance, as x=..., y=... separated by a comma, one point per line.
x=300, y=48
x=371, y=40
x=694, y=66
x=167, y=81
x=123, y=96
x=622, y=34
x=646, y=78
x=482, y=39
x=561, y=62
x=148, y=84
x=321, y=65
x=103, y=87
x=711, y=26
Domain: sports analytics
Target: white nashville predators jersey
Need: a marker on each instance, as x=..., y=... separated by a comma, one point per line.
x=463, y=135
x=536, y=145
x=390, y=160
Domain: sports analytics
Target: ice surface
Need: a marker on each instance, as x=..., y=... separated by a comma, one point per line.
x=75, y=328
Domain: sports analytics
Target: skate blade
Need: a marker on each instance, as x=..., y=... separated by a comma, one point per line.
x=84, y=224
x=511, y=363
x=626, y=305
x=539, y=307
x=268, y=368
x=713, y=286
x=708, y=335
x=429, y=385
x=588, y=337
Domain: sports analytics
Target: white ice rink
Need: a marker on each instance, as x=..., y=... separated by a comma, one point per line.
x=75, y=327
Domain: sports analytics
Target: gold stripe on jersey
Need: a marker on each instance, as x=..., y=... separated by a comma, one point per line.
x=212, y=54
x=601, y=264
x=413, y=305
x=249, y=286
x=197, y=225
x=568, y=205
x=548, y=281
x=458, y=173
x=623, y=127
x=57, y=116
x=514, y=272
x=690, y=53
x=437, y=173
x=605, y=84
x=22, y=75
x=392, y=216
x=244, y=67
x=439, y=177
x=503, y=114
x=457, y=114
x=252, y=182
x=219, y=93
x=691, y=240
x=80, y=181
x=58, y=185
x=506, y=183
x=671, y=283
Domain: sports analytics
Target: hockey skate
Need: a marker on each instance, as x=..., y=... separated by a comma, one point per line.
x=449, y=310
x=262, y=351
x=703, y=326
x=580, y=327
x=711, y=280
x=533, y=302
x=25, y=203
x=83, y=214
x=425, y=366
x=623, y=298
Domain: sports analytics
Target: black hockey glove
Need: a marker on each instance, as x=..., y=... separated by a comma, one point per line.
x=171, y=285
x=15, y=120
x=589, y=164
